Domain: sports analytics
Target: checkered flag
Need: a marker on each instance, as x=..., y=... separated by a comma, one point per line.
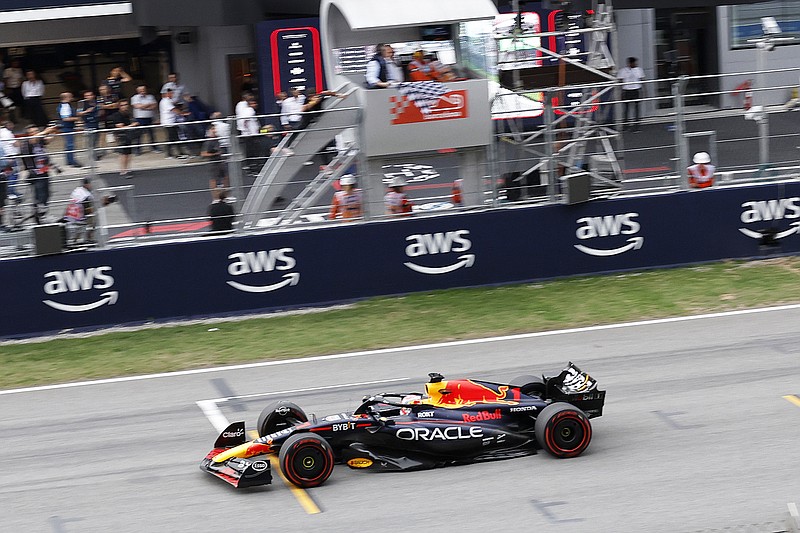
x=424, y=94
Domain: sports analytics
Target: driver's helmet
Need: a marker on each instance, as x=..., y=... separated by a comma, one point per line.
x=414, y=399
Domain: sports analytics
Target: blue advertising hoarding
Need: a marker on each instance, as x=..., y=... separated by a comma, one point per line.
x=279, y=270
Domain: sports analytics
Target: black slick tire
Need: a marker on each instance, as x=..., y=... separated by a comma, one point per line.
x=278, y=416
x=306, y=460
x=563, y=430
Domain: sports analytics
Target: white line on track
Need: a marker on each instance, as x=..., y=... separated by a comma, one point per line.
x=404, y=349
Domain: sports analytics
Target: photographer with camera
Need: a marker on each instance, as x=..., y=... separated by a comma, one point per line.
x=38, y=164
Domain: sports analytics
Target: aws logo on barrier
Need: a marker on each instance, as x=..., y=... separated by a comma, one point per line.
x=243, y=263
x=608, y=226
x=770, y=210
x=451, y=242
x=59, y=283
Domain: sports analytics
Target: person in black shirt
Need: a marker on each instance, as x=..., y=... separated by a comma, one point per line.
x=221, y=214
x=123, y=124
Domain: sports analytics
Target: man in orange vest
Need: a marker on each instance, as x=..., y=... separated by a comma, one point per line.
x=396, y=201
x=347, y=202
x=701, y=174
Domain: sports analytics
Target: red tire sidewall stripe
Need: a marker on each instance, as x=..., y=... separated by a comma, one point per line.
x=289, y=468
x=551, y=444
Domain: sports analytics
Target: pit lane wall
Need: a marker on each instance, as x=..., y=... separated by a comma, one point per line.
x=240, y=274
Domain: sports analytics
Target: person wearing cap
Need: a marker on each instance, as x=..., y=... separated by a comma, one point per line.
x=347, y=202
x=396, y=201
x=701, y=174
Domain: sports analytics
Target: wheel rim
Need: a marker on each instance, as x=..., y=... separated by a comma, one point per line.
x=309, y=463
x=568, y=433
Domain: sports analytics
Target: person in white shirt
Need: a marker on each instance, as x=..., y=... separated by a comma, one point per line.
x=168, y=114
x=32, y=93
x=248, y=125
x=178, y=89
x=631, y=77
x=144, y=107
x=8, y=141
x=292, y=108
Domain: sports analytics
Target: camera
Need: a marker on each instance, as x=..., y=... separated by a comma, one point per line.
x=110, y=199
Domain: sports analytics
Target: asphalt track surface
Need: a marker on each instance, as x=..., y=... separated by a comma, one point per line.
x=700, y=433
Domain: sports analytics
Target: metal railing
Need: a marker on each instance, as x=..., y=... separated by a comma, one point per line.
x=577, y=130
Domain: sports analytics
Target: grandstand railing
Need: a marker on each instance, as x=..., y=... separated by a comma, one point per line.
x=169, y=198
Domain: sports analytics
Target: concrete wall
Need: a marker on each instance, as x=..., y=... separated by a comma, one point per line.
x=203, y=63
x=635, y=37
x=735, y=61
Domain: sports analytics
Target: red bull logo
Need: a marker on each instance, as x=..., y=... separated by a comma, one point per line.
x=466, y=393
x=483, y=415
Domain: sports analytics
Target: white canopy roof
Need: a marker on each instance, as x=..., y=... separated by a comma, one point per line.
x=377, y=14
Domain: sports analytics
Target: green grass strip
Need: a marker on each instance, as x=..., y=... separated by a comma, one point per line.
x=418, y=318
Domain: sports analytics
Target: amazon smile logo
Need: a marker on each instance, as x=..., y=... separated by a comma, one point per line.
x=605, y=226
x=59, y=282
x=263, y=261
x=769, y=211
x=424, y=244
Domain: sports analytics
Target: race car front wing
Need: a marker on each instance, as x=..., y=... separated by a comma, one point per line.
x=240, y=473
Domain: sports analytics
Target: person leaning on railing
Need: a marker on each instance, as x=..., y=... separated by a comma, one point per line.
x=701, y=174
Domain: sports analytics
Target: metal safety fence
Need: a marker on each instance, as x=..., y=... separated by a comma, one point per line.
x=155, y=182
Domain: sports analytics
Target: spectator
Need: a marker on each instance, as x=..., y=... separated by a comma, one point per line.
x=396, y=201
x=67, y=126
x=88, y=112
x=456, y=193
x=420, y=69
x=212, y=152
x=38, y=164
x=248, y=126
x=124, y=123
x=13, y=78
x=292, y=109
x=631, y=77
x=198, y=112
x=221, y=213
x=32, y=93
x=107, y=105
x=701, y=174
x=223, y=130
x=347, y=202
x=80, y=211
x=144, y=107
x=169, y=114
x=382, y=71
x=116, y=77
x=8, y=141
x=178, y=89
x=313, y=106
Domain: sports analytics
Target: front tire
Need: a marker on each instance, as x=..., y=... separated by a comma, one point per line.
x=306, y=460
x=279, y=415
x=563, y=430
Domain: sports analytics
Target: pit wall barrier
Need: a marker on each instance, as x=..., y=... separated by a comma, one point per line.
x=286, y=269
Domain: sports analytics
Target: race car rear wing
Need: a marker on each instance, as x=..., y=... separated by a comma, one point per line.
x=574, y=386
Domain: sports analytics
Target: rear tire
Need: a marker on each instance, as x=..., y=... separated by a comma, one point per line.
x=279, y=415
x=531, y=385
x=306, y=459
x=563, y=430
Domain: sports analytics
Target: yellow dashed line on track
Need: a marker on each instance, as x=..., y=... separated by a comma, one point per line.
x=302, y=497
x=792, y=398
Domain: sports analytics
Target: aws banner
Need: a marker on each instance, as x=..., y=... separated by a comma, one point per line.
x=218, y=276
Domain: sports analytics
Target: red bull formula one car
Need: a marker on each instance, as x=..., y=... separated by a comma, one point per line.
x=454, y=422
